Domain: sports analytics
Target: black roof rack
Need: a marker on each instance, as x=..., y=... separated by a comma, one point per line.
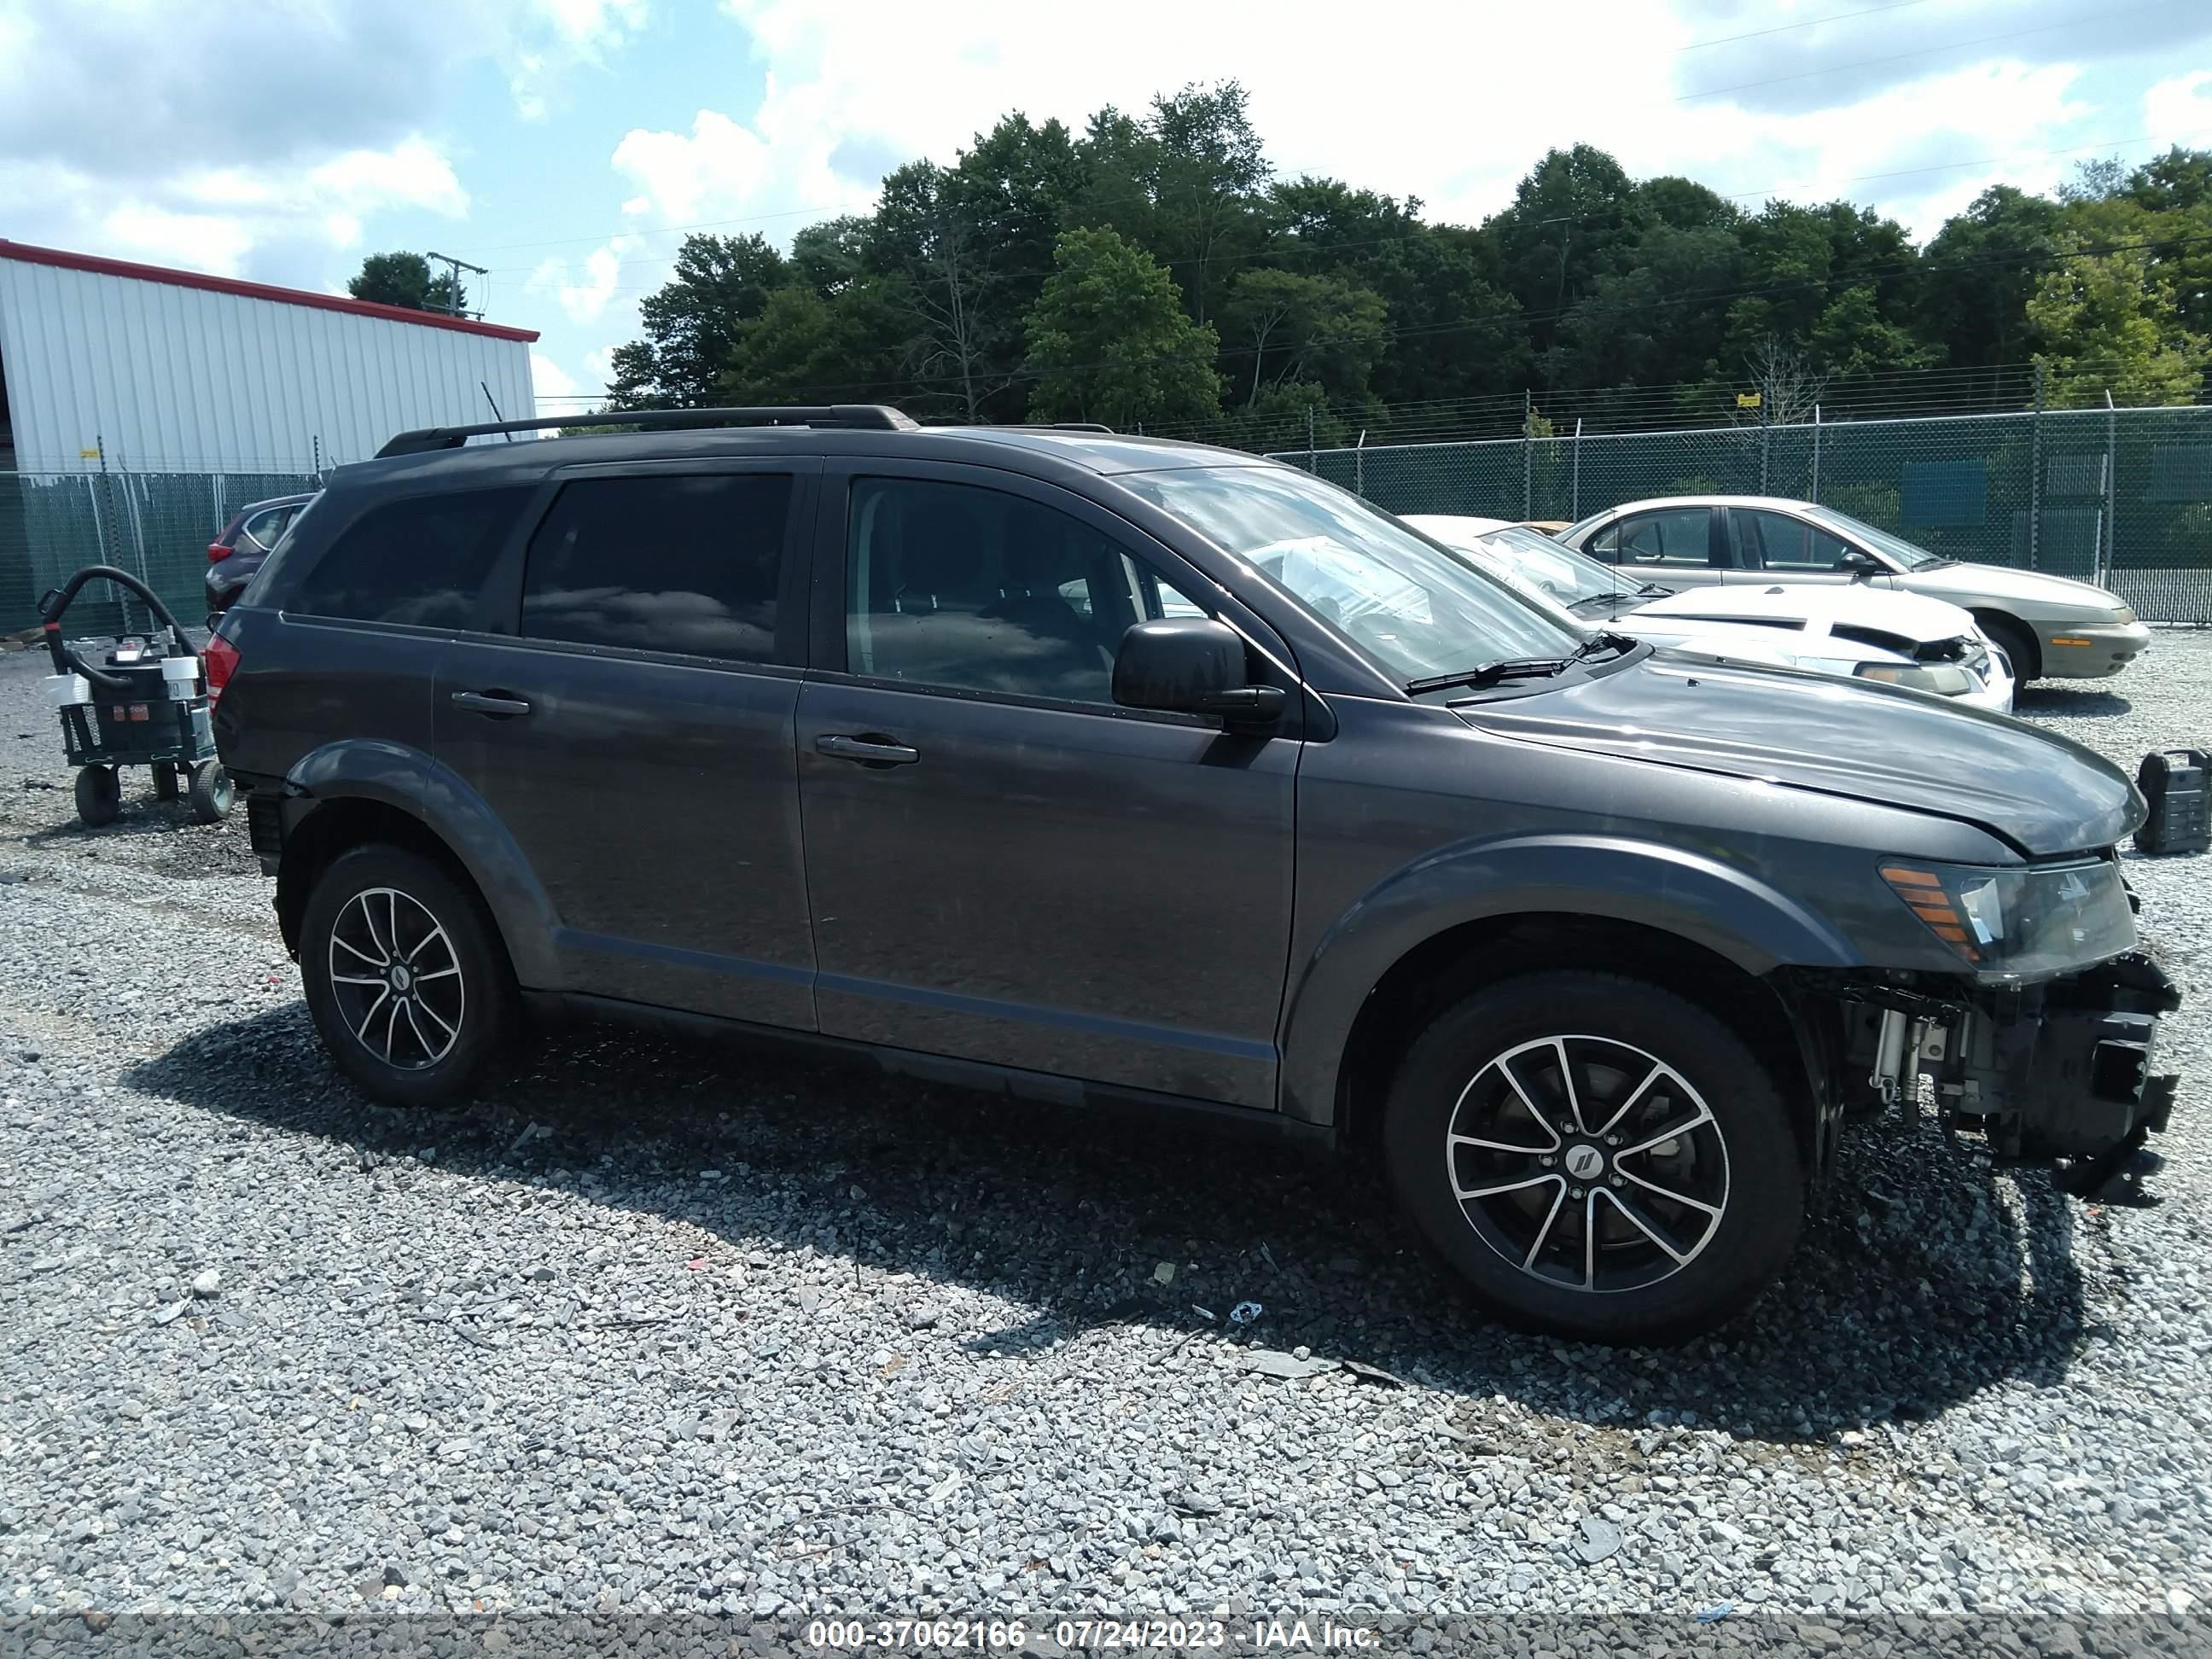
x=1026, y=426
x=877, y=417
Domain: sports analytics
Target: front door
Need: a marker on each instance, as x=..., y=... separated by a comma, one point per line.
x=630, y=725
x=1005, y=866
x=1766, y=545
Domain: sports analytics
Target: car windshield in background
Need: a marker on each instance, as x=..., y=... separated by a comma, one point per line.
x=1570, y=577
x=1911, y=557
x=1416, y=609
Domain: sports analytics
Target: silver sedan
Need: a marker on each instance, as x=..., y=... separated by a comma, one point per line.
x=2052, y=627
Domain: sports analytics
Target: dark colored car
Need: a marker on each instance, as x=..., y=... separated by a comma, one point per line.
x=1087, y=768
x=235, y=555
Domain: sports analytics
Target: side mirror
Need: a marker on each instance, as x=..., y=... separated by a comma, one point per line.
x=1191, y=665
x=1859, y=564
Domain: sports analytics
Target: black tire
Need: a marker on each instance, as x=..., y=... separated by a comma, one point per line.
x=2012, y=638
x=1732, y=1152
x=165, y=780
x=379, y=891
x=211, y=791
x=98, y=795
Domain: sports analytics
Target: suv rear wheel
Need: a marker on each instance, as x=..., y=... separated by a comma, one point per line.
x=1598, y=1159
x=405, y=977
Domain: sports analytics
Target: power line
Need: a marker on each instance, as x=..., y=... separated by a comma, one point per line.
x=1808, y=23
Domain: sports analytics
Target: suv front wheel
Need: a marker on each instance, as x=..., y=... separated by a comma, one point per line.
x=406, y=982
x=1598, y=1159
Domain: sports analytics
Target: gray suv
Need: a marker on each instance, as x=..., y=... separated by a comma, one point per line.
x=1088, y=768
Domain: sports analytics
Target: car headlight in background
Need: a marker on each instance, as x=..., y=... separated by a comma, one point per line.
x=2020, y=922
x=1944, y=679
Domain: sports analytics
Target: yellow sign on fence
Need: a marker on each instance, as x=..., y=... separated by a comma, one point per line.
x=1747, y=400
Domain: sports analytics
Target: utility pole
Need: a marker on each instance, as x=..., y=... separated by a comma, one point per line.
x=453, y=269
x=1559, y=294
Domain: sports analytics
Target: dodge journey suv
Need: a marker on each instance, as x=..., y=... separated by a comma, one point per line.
x=1089, y=766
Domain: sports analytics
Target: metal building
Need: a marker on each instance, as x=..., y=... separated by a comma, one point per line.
x=140, y=405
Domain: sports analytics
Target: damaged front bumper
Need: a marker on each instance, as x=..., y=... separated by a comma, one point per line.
x=2062, y=1071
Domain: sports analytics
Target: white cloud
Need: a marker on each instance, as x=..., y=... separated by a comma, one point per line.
x=717, y=168
x=2181, y=108
x=549, y=381
x=411, y=173
x=582, y=288
x=600, y=367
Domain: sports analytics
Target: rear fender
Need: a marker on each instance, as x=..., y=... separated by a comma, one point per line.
x=1693, y=897
x=414, y=783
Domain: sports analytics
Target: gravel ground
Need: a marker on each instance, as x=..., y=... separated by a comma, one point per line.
x=672, y=1328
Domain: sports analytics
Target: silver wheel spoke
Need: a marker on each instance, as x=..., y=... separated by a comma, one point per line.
x=1499, y=1146
x=408, y=1009
x=373, y=962
x=1628, y=1101
x=383, y=993
x=1567, y=1082
x=1670, y=1195
x=442, y=973
x=451, y=1031
x=1543, y=1119
x=349, y=979
x=1544, y=1232
x=1672, y=1132
x=391, y=1028
x=392, y=923
x=1463, y=1193
x=1649, y=1229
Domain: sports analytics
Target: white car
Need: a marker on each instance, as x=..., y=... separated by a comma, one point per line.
x=1855, y=631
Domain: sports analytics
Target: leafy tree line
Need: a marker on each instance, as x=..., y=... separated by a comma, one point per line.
x=1155, y=270
x=405, y=279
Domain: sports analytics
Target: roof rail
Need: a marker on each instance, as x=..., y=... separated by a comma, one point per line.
x=879, y=418
x=1024, y=426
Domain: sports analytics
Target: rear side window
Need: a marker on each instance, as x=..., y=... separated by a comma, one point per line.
x=421, y=561
x=1676, y=536
x=662, y=563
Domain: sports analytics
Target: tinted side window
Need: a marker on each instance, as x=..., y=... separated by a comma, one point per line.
x=1674, y=537
x=662, y=563
x=266, y=528
x=1786, y=544
x=956, y=585
x=422, y=560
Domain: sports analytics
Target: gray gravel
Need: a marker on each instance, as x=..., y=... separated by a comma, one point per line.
x=666, y=1328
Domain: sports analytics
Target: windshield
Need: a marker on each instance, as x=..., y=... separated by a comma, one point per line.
x=1417, y=611
x=1568, y=576
x=1911, y=557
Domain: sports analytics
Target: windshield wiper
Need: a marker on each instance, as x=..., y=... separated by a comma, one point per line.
x=1489, y=673
x=1522, y=668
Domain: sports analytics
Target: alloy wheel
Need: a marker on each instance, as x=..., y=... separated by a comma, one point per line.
x=1588, y=1162
x=396, y=979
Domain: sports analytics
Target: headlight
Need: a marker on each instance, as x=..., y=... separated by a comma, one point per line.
x=2019, y=922
x=1944, y=679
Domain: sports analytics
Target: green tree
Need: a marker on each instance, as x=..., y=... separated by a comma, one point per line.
x=1286, y=327
x=1979, y=271
x=1110, y=340
x=405, y=279
x=692, y=322
x=2103, y=324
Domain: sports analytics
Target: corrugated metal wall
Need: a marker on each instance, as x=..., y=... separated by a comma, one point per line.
x=172, y=379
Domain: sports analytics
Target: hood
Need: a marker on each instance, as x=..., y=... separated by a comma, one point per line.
x=1838, y=737
x=1855, y=605
x=2048, y=597
x=1739, y=642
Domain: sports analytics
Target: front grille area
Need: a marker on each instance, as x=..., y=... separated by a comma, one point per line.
x=264, y=825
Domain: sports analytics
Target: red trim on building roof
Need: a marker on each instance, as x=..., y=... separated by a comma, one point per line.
x=288, y=296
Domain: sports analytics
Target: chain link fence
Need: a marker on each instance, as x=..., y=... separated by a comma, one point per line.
x=155, y=524
x=2119, y=497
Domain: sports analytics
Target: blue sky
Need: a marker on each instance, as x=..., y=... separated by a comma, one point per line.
x=566, y=144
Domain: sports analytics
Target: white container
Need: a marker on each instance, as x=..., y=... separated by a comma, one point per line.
x=180, y=677
x=64, y=690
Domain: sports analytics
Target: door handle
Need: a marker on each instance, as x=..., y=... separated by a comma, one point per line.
x=868, y=752
x=493, y=703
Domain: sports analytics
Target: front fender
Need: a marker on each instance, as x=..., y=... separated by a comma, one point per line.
x=436, y=796
x=1694, y=897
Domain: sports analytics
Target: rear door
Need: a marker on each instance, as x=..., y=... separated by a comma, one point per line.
x=628, y=715
x=1006, y=865
x=1676, y=547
